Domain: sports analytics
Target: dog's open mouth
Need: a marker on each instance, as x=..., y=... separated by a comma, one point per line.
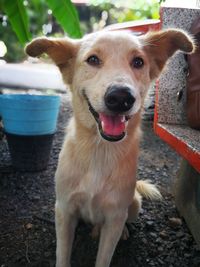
x=111, y=127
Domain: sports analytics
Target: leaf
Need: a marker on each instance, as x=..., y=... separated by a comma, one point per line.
x=38, y=5
x=66, y=15
x=17, y=15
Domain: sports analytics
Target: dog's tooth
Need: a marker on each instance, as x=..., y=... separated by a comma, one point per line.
x=123, y=118
x=102, y=125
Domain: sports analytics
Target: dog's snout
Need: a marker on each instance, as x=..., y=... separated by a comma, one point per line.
x=119, y=99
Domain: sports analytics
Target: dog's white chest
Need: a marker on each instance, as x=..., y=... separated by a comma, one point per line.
x=90, y=210
x=89, y=187
x=88, y=198
x=93, y=192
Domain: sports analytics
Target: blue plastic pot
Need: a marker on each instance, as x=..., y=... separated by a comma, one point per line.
x=29, y=114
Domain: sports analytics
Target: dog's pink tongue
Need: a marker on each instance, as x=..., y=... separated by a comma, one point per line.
x=112, y=125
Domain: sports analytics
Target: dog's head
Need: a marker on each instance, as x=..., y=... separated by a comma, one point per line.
x=109, y=73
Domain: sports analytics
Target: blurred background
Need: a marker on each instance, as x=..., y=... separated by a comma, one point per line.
x=20, y=20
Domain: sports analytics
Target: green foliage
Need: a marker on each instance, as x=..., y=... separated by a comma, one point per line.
x=121, y=11
x=38, y=16
x=16, y=12
x=15, y=51
x=18, y=16
x=30, y=18
x=69, y=22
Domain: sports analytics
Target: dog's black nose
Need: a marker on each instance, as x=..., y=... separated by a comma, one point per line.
x=119, y=98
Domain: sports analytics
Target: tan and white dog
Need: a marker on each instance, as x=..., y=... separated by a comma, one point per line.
x=109, y=74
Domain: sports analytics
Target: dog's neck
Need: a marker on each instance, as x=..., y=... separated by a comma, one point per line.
x=95, y=153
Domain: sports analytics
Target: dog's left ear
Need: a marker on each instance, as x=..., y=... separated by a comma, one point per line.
x=161, y=45
x=62, y=51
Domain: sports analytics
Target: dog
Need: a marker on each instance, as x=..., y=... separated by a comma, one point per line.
x=108, y=74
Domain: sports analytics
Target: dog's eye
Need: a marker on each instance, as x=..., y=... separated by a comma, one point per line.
x=93, y=60
x=137, y=62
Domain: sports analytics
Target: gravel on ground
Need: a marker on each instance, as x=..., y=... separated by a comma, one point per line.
x=158, y=238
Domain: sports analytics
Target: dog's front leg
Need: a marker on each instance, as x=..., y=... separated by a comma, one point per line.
x=65, y=229
x=110, y=234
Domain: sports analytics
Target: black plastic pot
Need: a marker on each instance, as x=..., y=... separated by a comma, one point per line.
x=30, y=153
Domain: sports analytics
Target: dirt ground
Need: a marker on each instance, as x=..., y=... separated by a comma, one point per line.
x=27, y=236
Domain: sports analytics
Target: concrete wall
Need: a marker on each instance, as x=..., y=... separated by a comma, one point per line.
x=174, y=77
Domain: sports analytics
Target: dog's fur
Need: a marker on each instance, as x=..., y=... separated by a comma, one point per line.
x=95, y=178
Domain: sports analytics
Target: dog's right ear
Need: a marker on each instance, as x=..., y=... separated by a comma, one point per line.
x=161, y=45
x=62, y=51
